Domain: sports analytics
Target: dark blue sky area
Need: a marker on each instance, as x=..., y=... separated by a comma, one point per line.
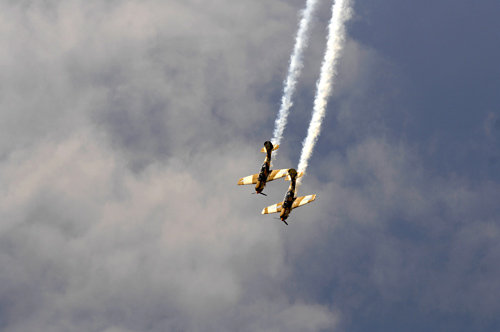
x=446, y=54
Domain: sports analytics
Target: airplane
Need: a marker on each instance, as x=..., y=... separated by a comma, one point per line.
x=265, y=174
x=290, y=202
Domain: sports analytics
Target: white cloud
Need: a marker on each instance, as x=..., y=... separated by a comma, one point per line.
x=98, y=245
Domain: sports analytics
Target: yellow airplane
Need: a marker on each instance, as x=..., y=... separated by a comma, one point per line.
x=290, y=202
x=265, y=174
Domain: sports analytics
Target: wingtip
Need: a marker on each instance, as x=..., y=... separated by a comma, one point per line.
x=240, y=181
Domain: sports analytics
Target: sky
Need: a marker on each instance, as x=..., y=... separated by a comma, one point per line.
x=125, y=126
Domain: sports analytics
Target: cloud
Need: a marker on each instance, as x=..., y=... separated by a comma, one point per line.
x=88, y=245
x=118, y=151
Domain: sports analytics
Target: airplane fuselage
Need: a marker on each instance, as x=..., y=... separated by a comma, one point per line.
x=285, y=212
x=265, y=169
x=286, y=207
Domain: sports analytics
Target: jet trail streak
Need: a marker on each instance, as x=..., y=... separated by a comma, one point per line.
x=294, y=70
x=341, y=12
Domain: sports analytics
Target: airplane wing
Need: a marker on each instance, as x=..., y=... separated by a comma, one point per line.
x=251, y=179
x=299, y=201
x=274, y=148
x=273, y=208
x=277, y=173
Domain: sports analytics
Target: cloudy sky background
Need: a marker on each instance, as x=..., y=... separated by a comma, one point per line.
x=125, y=126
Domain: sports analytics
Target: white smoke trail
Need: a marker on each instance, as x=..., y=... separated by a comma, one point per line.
x=294, y=70
x=341, y=12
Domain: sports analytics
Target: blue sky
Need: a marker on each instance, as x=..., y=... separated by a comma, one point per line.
x=446, y=54
x=126, y=124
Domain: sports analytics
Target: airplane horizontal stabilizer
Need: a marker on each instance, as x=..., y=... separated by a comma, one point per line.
x=274, y=148
x=299, y=201
x=273, y=208
x=299, y=174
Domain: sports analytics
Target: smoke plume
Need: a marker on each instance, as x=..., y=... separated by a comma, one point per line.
x=296, y=64
x=341, y=12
